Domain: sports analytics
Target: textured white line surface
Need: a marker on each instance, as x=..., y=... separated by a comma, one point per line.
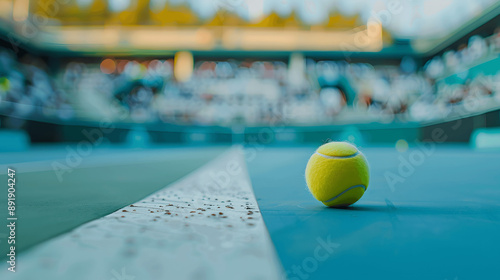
x=205, y=226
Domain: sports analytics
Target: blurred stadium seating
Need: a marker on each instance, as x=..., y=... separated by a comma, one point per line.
x=194, y=82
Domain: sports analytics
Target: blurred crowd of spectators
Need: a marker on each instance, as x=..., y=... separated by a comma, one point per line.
x=466, y=80
x=27, y=90
x=299, y=91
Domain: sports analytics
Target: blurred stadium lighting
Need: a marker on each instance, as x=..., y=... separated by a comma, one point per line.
x=108, y=66
x=20, y=10
x=183, y=66
x=170, y=39
x=77, y=38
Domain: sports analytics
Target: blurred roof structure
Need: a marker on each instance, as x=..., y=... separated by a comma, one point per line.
x=386, y=28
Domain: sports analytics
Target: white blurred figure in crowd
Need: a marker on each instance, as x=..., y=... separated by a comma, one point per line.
x=332, y=100
x=451, y=61
x=381, y=91
x=73, y=73
x=434, y=68
x=477, y=48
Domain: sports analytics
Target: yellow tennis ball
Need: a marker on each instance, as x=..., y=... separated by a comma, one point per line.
x=337, y=174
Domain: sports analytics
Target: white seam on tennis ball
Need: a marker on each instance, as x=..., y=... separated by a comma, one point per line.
x=334, y=157
x=350, y=188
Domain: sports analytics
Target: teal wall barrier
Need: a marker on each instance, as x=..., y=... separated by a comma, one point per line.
x=13, y=140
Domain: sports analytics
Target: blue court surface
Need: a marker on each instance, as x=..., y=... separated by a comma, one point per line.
x=430, y=212
x=441, y=222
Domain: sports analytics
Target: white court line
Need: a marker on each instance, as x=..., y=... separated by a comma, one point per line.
x=214, y=231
